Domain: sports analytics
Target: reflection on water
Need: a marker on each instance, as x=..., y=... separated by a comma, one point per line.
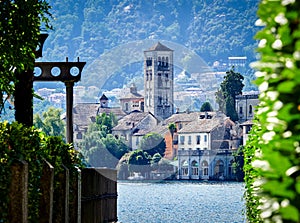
x=192, y=202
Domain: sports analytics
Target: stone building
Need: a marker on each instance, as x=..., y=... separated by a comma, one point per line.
x=85, y=114
x=134, y=126
x=245, y=105
x=158, y=81
x=205, y=148
x=132, y=101
x=180, y=120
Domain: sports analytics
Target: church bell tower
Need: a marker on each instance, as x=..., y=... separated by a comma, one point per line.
x=158, y=81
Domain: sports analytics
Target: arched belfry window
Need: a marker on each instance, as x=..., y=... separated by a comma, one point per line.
x=159, y=61
x=167, y=62
x=163, y=61
x=149, y=61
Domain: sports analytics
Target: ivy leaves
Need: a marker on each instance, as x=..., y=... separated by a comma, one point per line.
x=19, y=36
x=274, y=167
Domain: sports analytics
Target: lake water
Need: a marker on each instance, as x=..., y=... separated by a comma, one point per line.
x=181, y=202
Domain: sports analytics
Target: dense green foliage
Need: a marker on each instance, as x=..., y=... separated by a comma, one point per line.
x=19, y=37
x=99, y=146
x=97, y=31
x=238, y=164
x=206, y=107
x=172, y=128
x=139, y=161
x=274, y=147
x=251, y=176
x=105, y=122
x=231, y=86
x=50, y=122
x=22, y=143
x=153, y=143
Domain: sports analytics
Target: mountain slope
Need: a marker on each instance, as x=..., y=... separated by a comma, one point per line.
x=213, y=29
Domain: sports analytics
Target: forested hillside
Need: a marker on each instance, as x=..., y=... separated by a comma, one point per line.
x=112, y=35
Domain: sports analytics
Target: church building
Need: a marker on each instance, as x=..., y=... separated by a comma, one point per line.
x=158, y=81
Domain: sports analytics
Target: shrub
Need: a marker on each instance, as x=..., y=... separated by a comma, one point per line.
x=273, y=160
x=18, y=142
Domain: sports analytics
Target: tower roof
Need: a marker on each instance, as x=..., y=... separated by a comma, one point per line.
x=103, y=97
x=159, y=47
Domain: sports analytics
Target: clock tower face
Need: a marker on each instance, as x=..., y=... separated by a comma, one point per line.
x=158, y=81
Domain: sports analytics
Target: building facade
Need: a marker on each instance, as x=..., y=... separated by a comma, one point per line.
x=132, y=101
x=205, y=148
x=245, y=105
x=158, y=81
x=133, y=127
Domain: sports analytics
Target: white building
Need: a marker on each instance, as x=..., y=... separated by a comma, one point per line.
x=205, y=148
x=245, y=105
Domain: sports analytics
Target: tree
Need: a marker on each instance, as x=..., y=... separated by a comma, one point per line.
x=115, y=146
x=238, y=164
x=20, y=34
x=206, y=107
x=154, y=161
x=105, y=122
x=139, y=161
x=153, y=143
x=172, y=129
x=101, y=148
x=50, y=122
x=231, y=86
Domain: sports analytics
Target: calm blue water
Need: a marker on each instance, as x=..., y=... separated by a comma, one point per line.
x=182, y=202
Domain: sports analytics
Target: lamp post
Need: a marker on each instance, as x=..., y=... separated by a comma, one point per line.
x=68, y=73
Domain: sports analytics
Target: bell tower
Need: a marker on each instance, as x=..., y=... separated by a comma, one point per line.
x=158, y=81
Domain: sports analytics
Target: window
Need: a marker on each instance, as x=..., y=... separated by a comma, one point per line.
x=135, y=104
x=241, y=110
x=180, y=126
x=149, y=61
x=205, y=138
x=190, y=140
x=181, y=140
x=219, y=168
x=159, y=100
x=195, y=170
x=205, y=168
x=185, y=168
x=79, y=135
x=126, y=106
x=250, y=109
x=198, y=139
